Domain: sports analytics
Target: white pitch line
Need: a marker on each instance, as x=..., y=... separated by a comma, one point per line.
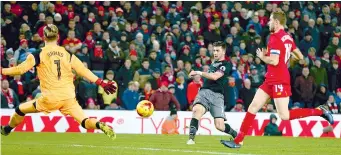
x=140, y=148
x=162, y=149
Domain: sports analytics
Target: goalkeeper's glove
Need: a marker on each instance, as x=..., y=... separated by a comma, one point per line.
x=108, y=87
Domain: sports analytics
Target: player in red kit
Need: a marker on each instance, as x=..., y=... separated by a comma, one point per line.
x=277, y=80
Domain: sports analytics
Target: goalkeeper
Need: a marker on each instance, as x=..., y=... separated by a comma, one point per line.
x=54, y=66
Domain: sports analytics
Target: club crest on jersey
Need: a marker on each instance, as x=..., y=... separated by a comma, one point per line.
x=222, y=68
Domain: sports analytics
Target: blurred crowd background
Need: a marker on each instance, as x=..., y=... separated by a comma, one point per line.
x=149, y=48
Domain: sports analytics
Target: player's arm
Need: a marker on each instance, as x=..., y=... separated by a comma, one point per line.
x=21, y=68
x=297, y=54
x=78, y=66
x=211, y=76
x=273, y=59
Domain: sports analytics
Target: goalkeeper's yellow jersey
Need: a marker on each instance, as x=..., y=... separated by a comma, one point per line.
x=54, y=67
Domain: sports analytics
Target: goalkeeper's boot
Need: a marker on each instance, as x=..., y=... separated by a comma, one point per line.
x=107, y=130
x=326, y=114
x=3, y=131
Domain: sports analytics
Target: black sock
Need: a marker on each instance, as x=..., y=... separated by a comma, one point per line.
x=97, y=125
x=8, y=129
x=193, y=128
x=230, y=131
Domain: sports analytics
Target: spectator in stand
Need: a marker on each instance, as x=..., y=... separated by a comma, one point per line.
x=89, y=41
x=26, y=30
x=185, y=54
x=325, y=60
x=321, y=96
x=334, y=76
x=318, y=73
x=315, y=34
x=98, y=59
x=155, y=80
x=254, y=45
x=139, y=45
x=9, y=57
x=9, y=98
x=86, y=91
x=171, y=89
x=162, y=98
x=147, y=91
x=256, y=77
x=36, y=41
x=270, y=108
x=91, y=104
x=194, y=88
x=105, y=40
x=305, y=88
x=239, y=106
x=259, y=66
x=333, y=107
x=306, y=43
x=337, y=96
x=337, y=56
x=331, y=48
x=181, y=91
x=143, y=74
x=19, y=87
x=272, y=128
x=326, y=30
x=21, y=53
x=104, y=98
x=84, y=55
x=247, y=93
x=310, y=59
x=240, y=74
x=124, y=76
x=71, y=43
x=153, y=61
x=115, y=56
x=130, y=97
x=231, y=93
x=167, y=75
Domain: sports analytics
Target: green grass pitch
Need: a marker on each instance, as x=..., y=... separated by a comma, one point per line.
x=21, y=143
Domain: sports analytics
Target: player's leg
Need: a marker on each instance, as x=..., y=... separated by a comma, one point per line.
x=198, y=111
x=286, y=114
x=19, y=115
x=217, y=111
x=257, y=103
x=72, y=108
x=260, y=98
x=200, y=107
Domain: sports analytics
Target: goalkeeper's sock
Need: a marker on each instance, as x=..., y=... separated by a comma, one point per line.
x=90, y=123
x=246, y=125
x=230, y=131
x=193, y=128
x=16, y=119
x=304, y=112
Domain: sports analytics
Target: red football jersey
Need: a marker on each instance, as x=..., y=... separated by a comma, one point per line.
x=280, y=43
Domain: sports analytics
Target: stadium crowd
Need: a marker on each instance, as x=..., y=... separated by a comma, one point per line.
x=149, y=48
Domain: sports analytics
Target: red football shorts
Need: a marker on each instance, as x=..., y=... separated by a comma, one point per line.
x=276, y=90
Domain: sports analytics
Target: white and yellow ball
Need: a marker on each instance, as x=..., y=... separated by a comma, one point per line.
x=145, y=108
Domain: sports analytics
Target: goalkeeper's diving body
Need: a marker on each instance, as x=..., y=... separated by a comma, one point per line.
x=54, y=66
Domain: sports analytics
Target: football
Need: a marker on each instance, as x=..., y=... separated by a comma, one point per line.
x=145, y=108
